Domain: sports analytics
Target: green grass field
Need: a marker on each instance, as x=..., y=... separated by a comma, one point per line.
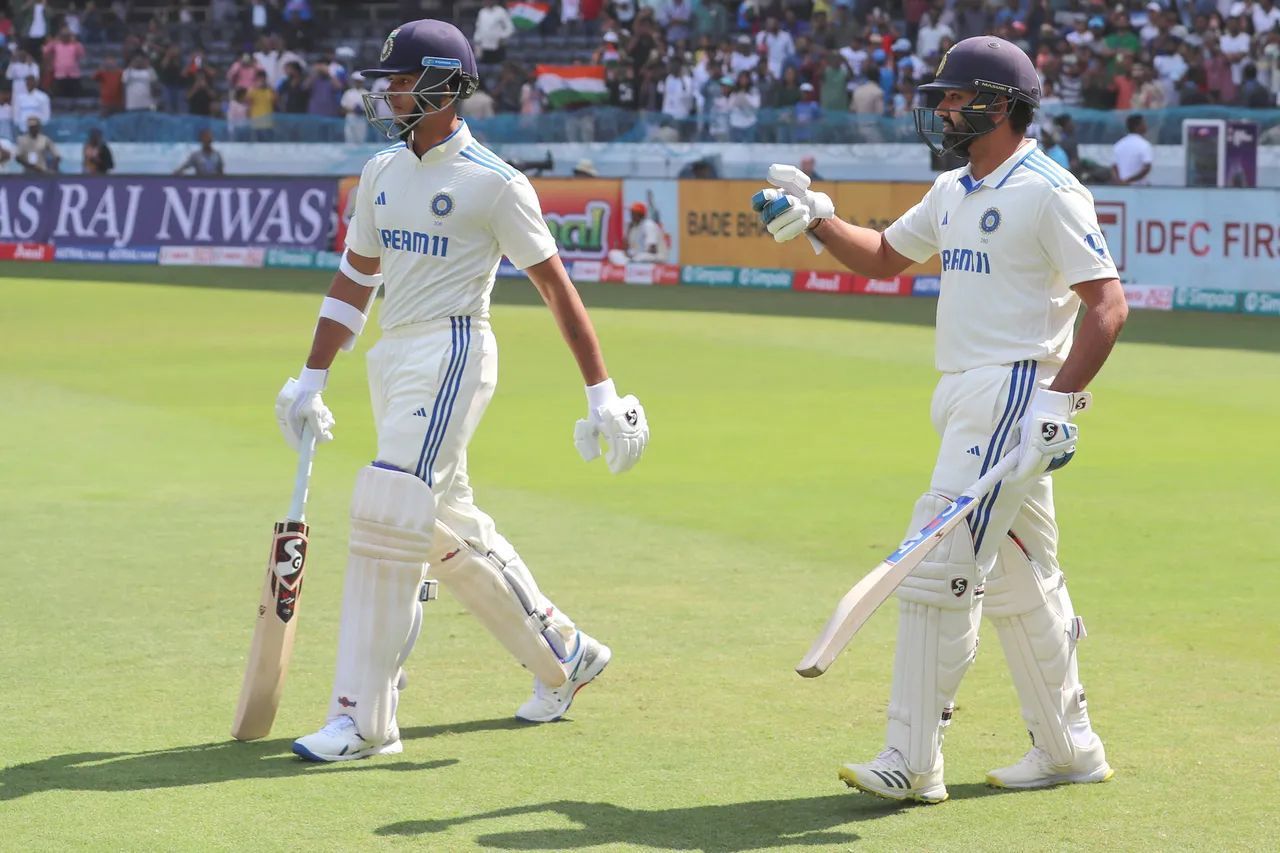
x=141, y=469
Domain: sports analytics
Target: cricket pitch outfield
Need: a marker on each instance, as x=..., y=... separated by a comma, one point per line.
x=140, y=462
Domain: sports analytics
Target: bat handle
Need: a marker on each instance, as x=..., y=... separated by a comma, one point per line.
x=301, y=480
x=998, y=472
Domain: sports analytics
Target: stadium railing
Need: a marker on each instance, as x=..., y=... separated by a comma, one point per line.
x=609, y=124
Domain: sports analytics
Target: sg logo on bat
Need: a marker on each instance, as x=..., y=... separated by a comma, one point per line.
x=289, y=557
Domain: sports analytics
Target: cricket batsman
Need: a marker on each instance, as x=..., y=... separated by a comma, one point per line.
x=434, y=213
x=1021, y=249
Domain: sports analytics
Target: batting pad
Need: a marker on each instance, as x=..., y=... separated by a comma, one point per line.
x=392, y=520
x=1039, y=630
x=940, y=606
x=500, y=592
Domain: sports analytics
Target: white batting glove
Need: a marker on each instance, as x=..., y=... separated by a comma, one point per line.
x=620, y=421
x=299, y=403
x=1047, y=438
x=790, y=208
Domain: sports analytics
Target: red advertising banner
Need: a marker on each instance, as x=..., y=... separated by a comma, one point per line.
x=26, y=252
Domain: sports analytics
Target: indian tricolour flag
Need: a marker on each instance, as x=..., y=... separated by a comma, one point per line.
x=527, y=14
x=572, y=84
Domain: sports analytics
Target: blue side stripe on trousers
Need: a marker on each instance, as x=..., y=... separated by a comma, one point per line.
x=438, y=407
x=1024, y=399
x=990, y=459
x=464, y=332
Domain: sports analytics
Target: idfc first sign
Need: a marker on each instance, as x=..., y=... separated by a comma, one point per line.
x=1218, y=238
x=120, y=212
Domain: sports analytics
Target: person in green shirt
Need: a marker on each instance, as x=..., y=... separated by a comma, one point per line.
x=1121, y=39
x=834, y=94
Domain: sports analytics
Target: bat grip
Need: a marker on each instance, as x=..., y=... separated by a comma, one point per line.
x=302, y=478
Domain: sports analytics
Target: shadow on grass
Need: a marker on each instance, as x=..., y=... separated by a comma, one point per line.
x=1196, y=329
x=205, y=763
x=727, y=828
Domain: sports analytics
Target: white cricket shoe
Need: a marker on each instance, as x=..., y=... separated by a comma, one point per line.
x=1037, y=770
x=339, y=741
x=550, y=703
x=887, y=776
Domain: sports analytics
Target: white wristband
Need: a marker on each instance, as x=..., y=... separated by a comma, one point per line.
x=363, y=279
x=344, y=313
x=601, y=394
x=311, y=379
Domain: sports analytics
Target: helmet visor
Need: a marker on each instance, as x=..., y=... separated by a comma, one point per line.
x=440, y=84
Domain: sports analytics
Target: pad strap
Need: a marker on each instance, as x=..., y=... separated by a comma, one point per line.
x=361, y=278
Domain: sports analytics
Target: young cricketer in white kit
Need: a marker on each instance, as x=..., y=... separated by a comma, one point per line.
x=1021, y=249
x=433, y=216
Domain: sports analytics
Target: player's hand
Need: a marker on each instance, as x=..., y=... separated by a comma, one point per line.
x=789, y=208
x=1047, y=437
x=299, y=403
x=620, y=421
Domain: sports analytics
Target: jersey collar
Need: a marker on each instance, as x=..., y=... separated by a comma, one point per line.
x=449, y=146
x=1001, y=173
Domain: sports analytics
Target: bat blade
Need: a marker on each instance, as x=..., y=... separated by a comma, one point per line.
x=857, y=605
x=273, y=633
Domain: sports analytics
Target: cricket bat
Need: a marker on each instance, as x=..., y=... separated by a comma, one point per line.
x=277, y=610
x=875, y=588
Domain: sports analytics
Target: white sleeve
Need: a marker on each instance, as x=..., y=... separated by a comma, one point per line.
x=518, y=226
x=1071, y=239
x=915, y=233
x=362, y=232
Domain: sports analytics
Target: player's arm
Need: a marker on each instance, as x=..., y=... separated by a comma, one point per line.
x=522, y=235
x=1105, y=313
x=557, y=291
x=789, y=208
x=865, y=251
x=345, y=309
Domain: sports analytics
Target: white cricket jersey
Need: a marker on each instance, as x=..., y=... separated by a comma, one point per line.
x=1012, y=244
x=440, y=223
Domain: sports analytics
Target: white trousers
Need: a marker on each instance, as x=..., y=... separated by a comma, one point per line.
x=429, y=385
x=976, y=414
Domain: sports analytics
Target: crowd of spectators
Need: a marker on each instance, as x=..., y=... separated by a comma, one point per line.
x=164, y=65
x=721, y=70
x=710, y=66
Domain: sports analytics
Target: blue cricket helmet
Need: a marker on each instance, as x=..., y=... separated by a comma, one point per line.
x=990, y=67
x=440, y=55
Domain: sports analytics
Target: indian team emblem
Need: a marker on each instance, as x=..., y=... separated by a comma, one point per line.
x=990, y=220
x=442, y=205
x=389, y=44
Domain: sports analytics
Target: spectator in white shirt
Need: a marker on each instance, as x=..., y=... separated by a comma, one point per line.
x=493, y=28
x=32, y=103
x=1235, y=44
x=1081, y=36
x=678, y=97
x=929, y=37
x=1132, y=156
x=355, y=127
x=139, y=81
x=777, y=44
x=21, y=69
x=744, y=58
x=1266, y=16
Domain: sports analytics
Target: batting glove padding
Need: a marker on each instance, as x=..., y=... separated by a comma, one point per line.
x=1047, y=439
x=299, y=403
x=789, y=208
x=620, y=421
